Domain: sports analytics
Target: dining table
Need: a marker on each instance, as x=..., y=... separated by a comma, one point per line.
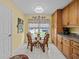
x=37, y=42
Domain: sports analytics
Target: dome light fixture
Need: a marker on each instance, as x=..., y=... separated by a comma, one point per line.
x=39, y=9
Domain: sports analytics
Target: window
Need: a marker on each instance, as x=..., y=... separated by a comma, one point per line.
x=39, y=26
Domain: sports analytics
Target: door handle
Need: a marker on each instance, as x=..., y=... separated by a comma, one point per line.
x=9, y=35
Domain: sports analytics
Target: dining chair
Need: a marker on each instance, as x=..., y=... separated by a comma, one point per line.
x=45, y=42
x=30, y=43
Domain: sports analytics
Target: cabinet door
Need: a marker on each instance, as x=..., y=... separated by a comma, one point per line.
x=66, y=47
x=75, y=50
x=60, y=45
x=73, y=13
x=78, y=12
x=66, y=51
x=65, y=16
x=74, y=56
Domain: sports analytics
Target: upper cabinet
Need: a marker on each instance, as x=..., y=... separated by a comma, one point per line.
x=73, y=13
x=70, y=14
x=78, y=12
x=65, y=16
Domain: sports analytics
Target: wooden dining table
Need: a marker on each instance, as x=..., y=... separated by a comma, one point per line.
x=37, y=43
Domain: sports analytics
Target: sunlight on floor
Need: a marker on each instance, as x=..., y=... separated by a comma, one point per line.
x=51, y=53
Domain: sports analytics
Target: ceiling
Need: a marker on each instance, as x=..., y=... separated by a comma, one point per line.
x=49, y=6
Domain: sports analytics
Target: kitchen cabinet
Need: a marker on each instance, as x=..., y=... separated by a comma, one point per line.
x=57, y=17
x=78, y=11
x=69, y=47
x=70, y=14
x=60, y=43
x=55, y=28
x=75, y=50
x=66, y=47
x=65, y=16
x=73, y=13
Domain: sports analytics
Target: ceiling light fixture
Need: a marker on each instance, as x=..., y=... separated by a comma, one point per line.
x=39, y=9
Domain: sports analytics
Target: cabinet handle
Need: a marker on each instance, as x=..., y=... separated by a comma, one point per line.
x=77, y=54
x=61, y=42
x=78, y=46
x=68, y=23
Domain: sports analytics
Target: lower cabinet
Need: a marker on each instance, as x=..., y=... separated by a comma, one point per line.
x=75, y=50
x=66, y=48
x=66, y=51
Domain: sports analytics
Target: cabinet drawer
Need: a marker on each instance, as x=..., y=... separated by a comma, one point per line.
x=75, y=44
x=60, y=38
x=66, y=41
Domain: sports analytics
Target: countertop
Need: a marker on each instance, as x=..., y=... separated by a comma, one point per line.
x=71, y=36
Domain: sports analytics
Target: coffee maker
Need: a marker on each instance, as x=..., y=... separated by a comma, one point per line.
x=66, y=31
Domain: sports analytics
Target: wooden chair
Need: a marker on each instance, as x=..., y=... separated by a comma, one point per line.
x=45, y=42
x=30, y=43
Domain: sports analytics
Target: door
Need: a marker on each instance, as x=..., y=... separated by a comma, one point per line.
x=5, y=32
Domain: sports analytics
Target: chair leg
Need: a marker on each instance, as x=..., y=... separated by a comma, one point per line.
x=47, y=46
x=31, y=48
x=27, y=45
x=43, y=47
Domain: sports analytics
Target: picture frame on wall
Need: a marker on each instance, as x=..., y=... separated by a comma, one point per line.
x=20, y=25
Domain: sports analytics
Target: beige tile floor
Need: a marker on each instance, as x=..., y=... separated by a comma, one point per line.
x=51, y=53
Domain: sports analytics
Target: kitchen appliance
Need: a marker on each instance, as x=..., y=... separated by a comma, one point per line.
x=66, y=31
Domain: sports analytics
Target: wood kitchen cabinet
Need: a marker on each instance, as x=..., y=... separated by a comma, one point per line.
x=65, y=16
x=78, y=12
x=75, y=50
x=60, y=43
x=70, y=14
x=57, y=17
x=66, y=47
x=73, y=14
x=55, y=28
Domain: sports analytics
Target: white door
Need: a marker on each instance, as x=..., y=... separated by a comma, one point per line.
x=5, y=32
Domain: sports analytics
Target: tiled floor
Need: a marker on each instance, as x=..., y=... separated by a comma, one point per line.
x=51, y=53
